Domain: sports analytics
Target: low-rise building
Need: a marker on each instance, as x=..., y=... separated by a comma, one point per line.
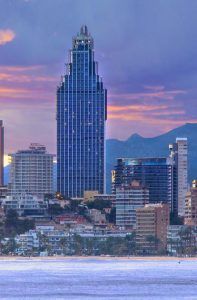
x=27, y=242
x=25, y=205
x=182, y=240
x=97, y=217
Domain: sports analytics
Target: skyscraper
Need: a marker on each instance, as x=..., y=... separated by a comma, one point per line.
x=1, y=152
x=81, y=116
x=153, y=173
x=179, y=153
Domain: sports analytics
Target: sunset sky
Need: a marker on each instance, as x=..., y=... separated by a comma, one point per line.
x=147, y=54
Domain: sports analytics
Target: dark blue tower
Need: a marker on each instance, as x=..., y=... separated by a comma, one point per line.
x=81, y=116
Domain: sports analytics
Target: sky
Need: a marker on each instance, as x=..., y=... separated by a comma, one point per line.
x=147, y=54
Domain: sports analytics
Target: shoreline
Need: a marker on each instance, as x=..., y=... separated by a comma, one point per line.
x=139, y=258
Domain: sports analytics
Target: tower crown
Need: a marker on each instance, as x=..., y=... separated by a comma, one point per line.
x=83, y=38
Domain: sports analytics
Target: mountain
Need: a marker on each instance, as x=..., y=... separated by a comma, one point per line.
x=138, y=146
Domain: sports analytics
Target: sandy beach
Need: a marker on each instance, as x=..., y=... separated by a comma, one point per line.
x=138, y=258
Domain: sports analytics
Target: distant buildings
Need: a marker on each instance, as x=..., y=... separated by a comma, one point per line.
x=25, y=205
x=31, y=171
x=81, y=116
x=191, y=205
x=1, y=153
x=151, y=231
x=153, y=173
x=182, y=240
x=179, y=153
x=128, y=199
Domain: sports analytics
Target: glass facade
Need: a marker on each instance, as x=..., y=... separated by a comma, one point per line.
x=153, y=173
x=81, y=116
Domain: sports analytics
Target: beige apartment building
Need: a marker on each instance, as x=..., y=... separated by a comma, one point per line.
x=31, y=171
x=191, y=205
x=151, y=232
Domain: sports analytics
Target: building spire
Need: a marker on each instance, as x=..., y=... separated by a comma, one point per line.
x=84, y=30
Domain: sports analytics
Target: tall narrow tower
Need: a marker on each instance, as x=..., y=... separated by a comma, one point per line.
x=81, y=116
x=1, y=153
x=179, y=153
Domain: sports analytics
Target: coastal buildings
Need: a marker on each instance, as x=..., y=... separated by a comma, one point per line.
x=25, y=205
x=31, y=171
x=128, y=199
x=153, y=173
x=191, y=205
x=1, y=153
x=182, y=240
x=179, y=154
x=81, y=116
x=151, y=231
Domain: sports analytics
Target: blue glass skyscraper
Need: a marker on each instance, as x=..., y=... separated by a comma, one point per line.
x=81, y=116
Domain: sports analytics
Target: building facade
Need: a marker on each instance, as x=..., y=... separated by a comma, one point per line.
x=179, y=154
x=1, y=153
x=152, y=224
x=128, y=199
x=81, y=116
x=31, y=171
x=182, y=240
x=153, y=173
x=25, y=205
x=191, y=205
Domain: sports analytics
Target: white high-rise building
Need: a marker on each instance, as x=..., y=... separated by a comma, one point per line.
x=31, y=171
x=179, y=152
x=182, y=173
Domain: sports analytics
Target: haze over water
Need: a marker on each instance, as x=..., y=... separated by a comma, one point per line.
x=98, y=278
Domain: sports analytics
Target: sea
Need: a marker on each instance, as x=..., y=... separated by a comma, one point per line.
x=98, y=278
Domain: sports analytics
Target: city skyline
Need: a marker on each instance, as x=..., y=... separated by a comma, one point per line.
x=149, y=81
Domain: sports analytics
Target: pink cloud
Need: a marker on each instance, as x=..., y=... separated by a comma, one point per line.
x=6, y=36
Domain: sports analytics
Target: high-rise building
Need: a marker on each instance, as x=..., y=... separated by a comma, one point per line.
x=128, y=199
x=153, y=173
x=1, y=153
x=81, y=116
x=152, y=223
x=31, y=171
x=179, y=154
x=191, y=205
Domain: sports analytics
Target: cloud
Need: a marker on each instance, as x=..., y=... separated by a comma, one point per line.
x=6, y=36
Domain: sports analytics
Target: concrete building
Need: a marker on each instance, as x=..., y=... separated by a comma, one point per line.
x=97, y=217
x=1, y=153
x=25, y=204
x=191, y=205
x=179, y=154
x=151, y=231
x=27, y=242
x=128, y=199
x=31, y=171
x=182, y=240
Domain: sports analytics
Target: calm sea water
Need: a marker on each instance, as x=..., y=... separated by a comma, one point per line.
x=98, y=279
